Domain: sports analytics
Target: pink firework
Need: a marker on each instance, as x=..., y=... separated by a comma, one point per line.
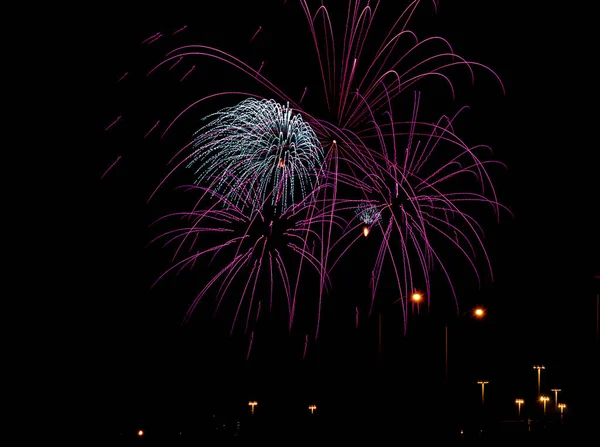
x=389, y=180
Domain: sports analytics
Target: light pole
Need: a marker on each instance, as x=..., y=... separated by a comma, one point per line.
x=479, y=313
x=562, y=409
x=539, y=372
x=482, y=383
x=544, y=400
x=555, y=391
x=519, y=402
x=252, y=404
x=312, y=408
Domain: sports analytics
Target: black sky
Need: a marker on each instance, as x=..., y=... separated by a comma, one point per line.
x=541, y=304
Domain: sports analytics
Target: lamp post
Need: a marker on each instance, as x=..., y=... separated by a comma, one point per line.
x=482, y=383
x=555, y=391
x=539, y=378
x=519, y=402
x=312, y=408
x=544, y=400
x=562, y=409
x=479, y=313
x=252, y=404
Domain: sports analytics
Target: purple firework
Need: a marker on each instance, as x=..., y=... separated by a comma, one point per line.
x=376, y=172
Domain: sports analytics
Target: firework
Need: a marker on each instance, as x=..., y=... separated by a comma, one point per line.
x=257, y=152
x=417, y=199
x=278, y=181
x=256, y=247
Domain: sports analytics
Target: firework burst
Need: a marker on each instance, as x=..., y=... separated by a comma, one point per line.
x=257, y=152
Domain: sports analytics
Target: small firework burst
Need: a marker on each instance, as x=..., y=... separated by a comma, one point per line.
x=368, y=214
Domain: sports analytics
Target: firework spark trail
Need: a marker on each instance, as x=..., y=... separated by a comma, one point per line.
x=256, y=33
x=113, y=123
x=305, y=347
x=179, y=30
x=243, y=295
x=258, y=310
x=250, y=345
x=150, y=131
x=303, y=93
x=173, y=66
x=123, y=77
x=153, y=36
x=186, y=75
x=155, y=39
x=110, y=167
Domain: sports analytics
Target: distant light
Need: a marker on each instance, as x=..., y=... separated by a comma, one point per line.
x=416, y=297
x=334, y=142
x=479, y=312
x=140, y=432
x=366, y=231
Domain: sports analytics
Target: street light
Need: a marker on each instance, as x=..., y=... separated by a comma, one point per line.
x=555, y=390
x=544, y=400
x=562, y=409
x=482, y=383
x=252, y=403
x=539, y=372
x=519, y=402
x=312, y=408
x=479, y=313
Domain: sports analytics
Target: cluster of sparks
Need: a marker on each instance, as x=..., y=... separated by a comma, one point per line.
x=260, y=150
x=282, y=191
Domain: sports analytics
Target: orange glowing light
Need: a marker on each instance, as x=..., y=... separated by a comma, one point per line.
x=416, y=297
x=141, y=433
x=252, y=404
x=366, y=231
x=281, y=163
x=479, y=312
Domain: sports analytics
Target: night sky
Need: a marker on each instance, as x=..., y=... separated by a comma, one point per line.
x=151, y=370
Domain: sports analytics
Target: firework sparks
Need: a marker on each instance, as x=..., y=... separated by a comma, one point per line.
x=258, y=150
x=110, y=167
x=151, y=129
x=113, y=123
x=276, y=180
